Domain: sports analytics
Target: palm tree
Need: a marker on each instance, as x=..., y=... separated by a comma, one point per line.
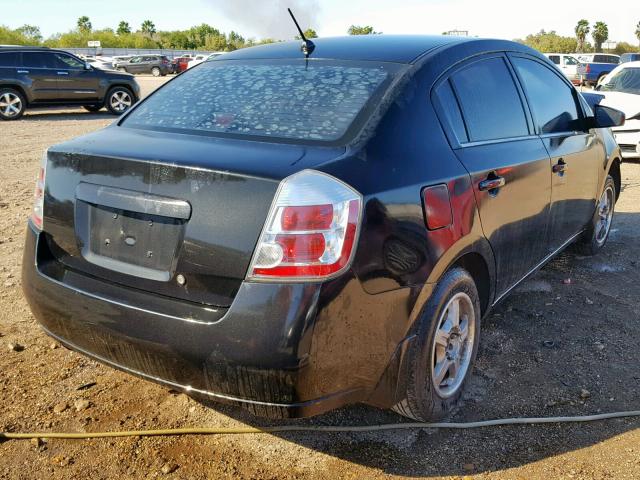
x=123, y=28
x=600, y=35
x=638, y=31
x=582, y=30
x=148, y=28
x=84, y=24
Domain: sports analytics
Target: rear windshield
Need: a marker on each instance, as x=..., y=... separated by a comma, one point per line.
x=287, y=100
x=626, y=80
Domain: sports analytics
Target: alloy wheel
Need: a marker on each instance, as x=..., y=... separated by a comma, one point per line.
x=453, y=345
x=10, y=105
x=120, y=101
x=605, y=214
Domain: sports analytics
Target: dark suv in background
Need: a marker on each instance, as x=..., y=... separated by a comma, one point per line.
x=32, y=77
x=154, y=64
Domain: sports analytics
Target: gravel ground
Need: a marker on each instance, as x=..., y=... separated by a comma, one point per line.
x=552, y=348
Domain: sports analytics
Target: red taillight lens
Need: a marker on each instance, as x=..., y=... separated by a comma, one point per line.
x=302, y=248
x=38, y=196
x=587, y=68
x=313, y=217
x=311, y=230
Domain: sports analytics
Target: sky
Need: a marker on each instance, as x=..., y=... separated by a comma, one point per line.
x=262, y=18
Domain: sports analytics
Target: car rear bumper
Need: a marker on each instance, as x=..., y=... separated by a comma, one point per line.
x=257, y=353
x=629, y=143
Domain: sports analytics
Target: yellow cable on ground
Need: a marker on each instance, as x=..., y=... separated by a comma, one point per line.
x=319, y=428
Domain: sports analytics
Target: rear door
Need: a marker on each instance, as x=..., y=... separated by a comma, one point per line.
x=75, y=83
x=508, y=164
x=577, y=156
x=39, y=71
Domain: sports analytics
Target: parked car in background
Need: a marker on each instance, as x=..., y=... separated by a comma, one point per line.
x=156, y=65
x=100, y=62
x=121, y=58
x=595, y=66
x=621, y=90
x=239, y=248
x=181, y=64
x=203, y=58
x=34, y=77
x=629, y=57
x=568, y=64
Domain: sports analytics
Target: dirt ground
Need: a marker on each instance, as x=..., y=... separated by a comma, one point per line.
x=553, y=348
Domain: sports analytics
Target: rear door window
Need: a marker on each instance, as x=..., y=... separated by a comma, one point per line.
x=552, y=101
x=38, y=60
x=288, y=99
x=490, y=102
x=9, y=59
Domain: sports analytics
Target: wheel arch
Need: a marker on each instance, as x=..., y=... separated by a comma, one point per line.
x=19, y=88
x=614, y=171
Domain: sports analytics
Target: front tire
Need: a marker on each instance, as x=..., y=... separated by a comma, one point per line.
x=12, y=104
x=119, y=100
x=597, y=234
x=442, y=356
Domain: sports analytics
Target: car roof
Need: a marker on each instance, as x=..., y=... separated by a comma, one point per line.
x=383, y=48
x=635, y=64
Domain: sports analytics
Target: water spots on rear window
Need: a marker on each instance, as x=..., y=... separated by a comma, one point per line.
x=318, y=102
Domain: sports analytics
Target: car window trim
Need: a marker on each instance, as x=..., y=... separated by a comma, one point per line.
x=455, y=142
x=574, y=94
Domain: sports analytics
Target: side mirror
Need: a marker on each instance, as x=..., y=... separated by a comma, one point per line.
x=605, y=117
x=87, y=66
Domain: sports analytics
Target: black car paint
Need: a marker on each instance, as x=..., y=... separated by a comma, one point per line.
x=297, y=349
x=57, y=86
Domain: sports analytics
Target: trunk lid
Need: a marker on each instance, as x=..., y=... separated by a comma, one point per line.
x=142, y=208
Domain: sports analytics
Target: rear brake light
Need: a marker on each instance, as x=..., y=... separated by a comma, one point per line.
x=311, y=231
x=38, y=196
x=587, y=68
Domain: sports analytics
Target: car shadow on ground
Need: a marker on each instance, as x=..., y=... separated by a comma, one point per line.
x=47, y=115
x=564, y=343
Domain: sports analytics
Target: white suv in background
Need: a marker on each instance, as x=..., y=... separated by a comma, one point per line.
x=568, y=64
x=621, y=90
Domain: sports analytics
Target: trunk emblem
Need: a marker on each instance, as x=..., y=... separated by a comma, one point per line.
x=130, y=240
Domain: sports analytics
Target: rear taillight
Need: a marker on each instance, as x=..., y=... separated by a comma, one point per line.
x=311, y=231
x=587, y=68
x=38, y=196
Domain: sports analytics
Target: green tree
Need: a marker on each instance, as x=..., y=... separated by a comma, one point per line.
x=600, y=34
x=308, y=33
x=359, y=30
x=548, y=42
x=638, y=31
x=123, y=28
x=148, y=28
x=582, y=30
x=84, y=24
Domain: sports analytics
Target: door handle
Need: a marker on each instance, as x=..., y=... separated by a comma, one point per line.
x=63, y=73
x=491, y=183
x=559, y=167
x=23, y=71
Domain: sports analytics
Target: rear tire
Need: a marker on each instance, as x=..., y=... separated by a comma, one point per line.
x=119, y=100
x=155, y=71
x=597, y=233
x=12, y=104
x=441, y=358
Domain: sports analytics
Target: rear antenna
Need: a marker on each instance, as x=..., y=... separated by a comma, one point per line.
x=307, y=46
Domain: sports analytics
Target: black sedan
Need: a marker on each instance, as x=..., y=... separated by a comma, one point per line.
x=303, y=233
